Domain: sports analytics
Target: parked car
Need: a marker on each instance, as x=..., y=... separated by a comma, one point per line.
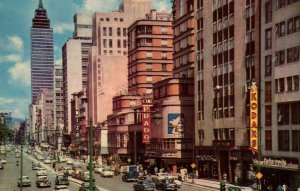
x=61, y=188
x=41, y=172
x=130, y=176
x=18, y=155
x=47, y=161
x=166, y=184
x=77, y=174
x=43, y=181
x=143, y=185
x=68, y=170
x=106, y=172
x=85, y=176
x=25, y=181
x=3, y=161
x=36, y=166
x=62, y=159
x=98, y=169
x=76, y=165
x=61, y=180
x=70, y=161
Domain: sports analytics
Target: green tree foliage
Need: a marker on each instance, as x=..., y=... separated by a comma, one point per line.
x=5, y=132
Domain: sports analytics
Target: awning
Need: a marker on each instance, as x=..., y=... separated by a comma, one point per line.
x=277, y=167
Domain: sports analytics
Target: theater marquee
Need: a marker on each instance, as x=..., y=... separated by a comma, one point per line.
x=146, y=133
x=254, y=118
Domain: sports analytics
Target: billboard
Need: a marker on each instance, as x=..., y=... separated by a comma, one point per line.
x=253, y=118
x=175, y=124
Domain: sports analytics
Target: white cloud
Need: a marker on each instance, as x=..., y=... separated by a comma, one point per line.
x=60, y=28
x=100, y=5
x=11, y=58
x=20, y=73
x=15, y=43
x=4, y=101
x=162, y=5
x=17, y=106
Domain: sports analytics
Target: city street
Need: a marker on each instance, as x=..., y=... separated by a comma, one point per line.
x=11, y=173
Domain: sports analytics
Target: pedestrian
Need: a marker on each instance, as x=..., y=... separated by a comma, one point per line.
x=155, y=170
x=279, y=188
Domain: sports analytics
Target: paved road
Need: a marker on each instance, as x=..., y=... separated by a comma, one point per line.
x=13, y=172
x=10, y=174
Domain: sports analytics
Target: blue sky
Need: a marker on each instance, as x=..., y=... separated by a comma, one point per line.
x=15, y=24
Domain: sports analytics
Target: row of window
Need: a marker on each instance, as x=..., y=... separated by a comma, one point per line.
x=293, y=25
x=115, y=19
x=111, y=52
x=290, y=83
x=284, y=140
x=110, y=31
x=108, y=43
x=224, y=134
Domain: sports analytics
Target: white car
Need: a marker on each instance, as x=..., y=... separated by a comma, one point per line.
x=98, y=169
x=41, y=172
x=3, y=161
x=62, y=159
x=40, y=158
x=47, y=161
x=70, y=161
x=107, y=172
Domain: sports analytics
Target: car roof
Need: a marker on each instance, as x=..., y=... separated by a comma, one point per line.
x=61, y=186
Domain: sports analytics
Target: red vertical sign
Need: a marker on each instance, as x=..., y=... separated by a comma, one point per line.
x=146, y=122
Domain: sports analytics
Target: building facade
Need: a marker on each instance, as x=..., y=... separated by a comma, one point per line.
x=75, y=63
x=58, y=111
x=41, y=52
x=280, y=95
x=226, y=64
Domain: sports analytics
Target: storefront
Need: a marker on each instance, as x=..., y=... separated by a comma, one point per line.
x=279, y=171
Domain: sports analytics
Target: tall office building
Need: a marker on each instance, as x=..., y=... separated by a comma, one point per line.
x=280, y=95
x=227, y=62
x=41, y=52
x=75, y=63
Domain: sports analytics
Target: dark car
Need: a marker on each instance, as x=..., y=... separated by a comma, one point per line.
x=36, y=166
x=130, y=176
x=43, y=181
x=143, y=185
x=62, y=180
x=86, y=187
x=166, y=184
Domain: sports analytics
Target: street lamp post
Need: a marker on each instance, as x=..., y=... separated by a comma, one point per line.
x=135, y=155
x=91, y=156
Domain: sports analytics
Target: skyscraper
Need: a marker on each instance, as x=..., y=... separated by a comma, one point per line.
x=41, y=52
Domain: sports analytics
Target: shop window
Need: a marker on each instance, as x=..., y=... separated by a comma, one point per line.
x=268, y=140
x=268, y=115
x=283, y=114
x=110, y=31
x=283, y=140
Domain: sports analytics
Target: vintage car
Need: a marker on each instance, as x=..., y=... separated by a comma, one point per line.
x=41, y=172
x=144, y=185
x=86, y=187
x=130, y=176
x=36, y=166
x=3, y=161
x=25, y=181
x=43, y=181
x=166, y=184
x=61, y=188
x=106, y=172
x=61, y=180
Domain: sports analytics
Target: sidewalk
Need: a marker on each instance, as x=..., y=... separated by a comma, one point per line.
x=209, y=185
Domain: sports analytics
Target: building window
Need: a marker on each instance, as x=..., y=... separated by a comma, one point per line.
x=293, y=54
x=164, y=55
x=118, y=31
x=110, y=31
x=268, y=65
x=280, y=57
x=121, y=19
x=201, y=135
x=104, y=31
x=268, y=139
x=163, y=67
x=149, y=91
x=296, y=82
x=279, y=85
x=268, y=114
x=283, y=140
x=296, y=140
x=283, y=114
x=295, y=108
x=268, y=91
x=149, y=67
x=164, y=42
x=280, y=4
x=268, y=12
x=268, y=38
x=149, y=54
x=289, y=83
x=124, y=32
x=149, y=79
x=110, y=43
x=280, y=29
x=164, y=30
x=119, y=43
x=124, y=44
x=107, y=19
x=104, y=43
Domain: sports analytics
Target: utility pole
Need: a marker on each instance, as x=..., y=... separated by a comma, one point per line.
x=91, y=156
x=135, y=157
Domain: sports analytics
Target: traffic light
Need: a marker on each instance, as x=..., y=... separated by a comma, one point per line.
x=222, y=186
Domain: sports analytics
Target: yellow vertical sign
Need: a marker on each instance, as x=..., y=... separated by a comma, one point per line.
x=253, y=118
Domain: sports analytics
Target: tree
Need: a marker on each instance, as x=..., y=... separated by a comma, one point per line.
x=5, y=132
